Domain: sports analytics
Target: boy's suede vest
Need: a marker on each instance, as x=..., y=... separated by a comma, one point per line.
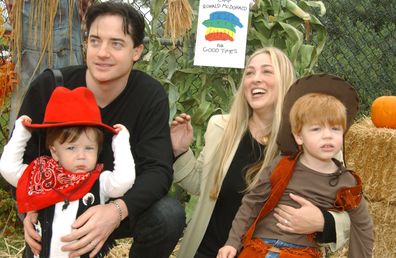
x=346, y=199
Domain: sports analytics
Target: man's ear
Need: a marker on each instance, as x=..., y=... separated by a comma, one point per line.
x=137, y=52
x=298, y=138
x=54, y=154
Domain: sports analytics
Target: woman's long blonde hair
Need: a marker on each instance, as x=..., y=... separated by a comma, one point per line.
x=240, y=113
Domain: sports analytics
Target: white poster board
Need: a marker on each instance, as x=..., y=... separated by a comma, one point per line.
x=221, y=33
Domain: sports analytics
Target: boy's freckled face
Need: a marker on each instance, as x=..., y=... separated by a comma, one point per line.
x=321, y=142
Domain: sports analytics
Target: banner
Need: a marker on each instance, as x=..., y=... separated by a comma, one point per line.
x=221, y=33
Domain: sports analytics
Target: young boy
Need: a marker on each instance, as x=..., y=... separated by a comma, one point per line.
x=64, y=185
x=320, y=108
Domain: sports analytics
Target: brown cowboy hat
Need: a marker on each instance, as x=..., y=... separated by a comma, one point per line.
x=68, y=107
x=317, y=83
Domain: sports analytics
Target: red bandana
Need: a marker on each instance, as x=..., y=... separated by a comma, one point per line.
x=45, y=183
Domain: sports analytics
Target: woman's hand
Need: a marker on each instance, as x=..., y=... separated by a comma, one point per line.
x=32, y=237
x=92, y=229
x=226, y=251
x=304, y=220
x=181, y=133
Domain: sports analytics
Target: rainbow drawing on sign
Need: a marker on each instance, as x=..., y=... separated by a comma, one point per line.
x=221, y=26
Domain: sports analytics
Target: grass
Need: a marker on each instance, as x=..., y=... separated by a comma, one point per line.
x=11, y=246
x=11, y=231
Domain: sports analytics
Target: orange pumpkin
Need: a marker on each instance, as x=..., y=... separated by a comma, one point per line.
x=383, y=112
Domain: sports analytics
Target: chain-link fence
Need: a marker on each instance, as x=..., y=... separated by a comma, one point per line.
x=4, y=55
x=361, y=47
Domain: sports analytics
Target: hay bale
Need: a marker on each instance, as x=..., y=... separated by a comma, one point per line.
x=371, y=152
x=384, y=231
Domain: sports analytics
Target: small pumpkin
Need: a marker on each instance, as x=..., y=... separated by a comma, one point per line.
x=383, y=112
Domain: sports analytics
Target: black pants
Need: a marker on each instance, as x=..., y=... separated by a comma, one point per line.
x=198, y=255
x=157, y=231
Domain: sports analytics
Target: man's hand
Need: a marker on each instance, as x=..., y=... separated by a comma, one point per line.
x=305, y=220
x=32, y=237
x=181, y=133
x=92, y=229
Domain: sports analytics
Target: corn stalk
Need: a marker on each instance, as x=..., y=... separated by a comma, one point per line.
x=291, y=27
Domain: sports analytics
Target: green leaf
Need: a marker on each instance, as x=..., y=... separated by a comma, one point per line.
x=264, y=41
x=155, y=9
x=306, y=55
x=173, y=96
x=172, y=64
x=160, y=59
x=295, y=40
x=315, y=4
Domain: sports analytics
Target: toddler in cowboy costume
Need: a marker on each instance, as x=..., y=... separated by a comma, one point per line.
x=317, y=112
x=66, y=184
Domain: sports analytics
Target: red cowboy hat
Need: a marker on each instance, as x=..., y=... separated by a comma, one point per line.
x=71, y=108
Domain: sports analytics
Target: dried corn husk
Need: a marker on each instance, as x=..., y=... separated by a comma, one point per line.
x=42, y=13
x=2, y=29
x=8, y=80
x=178, y=19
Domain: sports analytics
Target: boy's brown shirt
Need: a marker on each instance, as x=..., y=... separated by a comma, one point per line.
x=315, y=187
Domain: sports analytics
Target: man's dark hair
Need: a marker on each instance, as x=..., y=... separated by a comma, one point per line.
x=133, y=21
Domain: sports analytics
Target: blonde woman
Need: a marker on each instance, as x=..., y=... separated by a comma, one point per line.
x=237, y=146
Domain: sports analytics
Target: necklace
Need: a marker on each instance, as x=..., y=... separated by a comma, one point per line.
x=261, y=136
x=264, y=139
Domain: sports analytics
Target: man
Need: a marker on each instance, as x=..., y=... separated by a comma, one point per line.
x=130, y=97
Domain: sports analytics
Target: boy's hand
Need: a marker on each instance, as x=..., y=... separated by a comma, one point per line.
x=119, y=127
x=20, y=124
x=25, y=119
x=227, y=251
